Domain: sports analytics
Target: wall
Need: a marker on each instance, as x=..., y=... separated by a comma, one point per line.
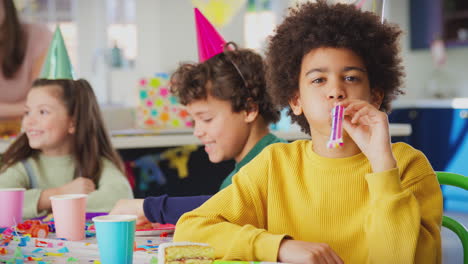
x=418, y=64
x=167, y=36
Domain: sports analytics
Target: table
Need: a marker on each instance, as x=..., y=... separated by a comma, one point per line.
x=143, y=138
x=81, y=251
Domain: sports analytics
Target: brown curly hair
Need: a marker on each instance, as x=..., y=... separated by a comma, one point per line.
x=314, y=25
x=235, y=75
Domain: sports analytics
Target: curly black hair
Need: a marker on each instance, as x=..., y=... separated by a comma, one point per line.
x=235, y=75
x=314, y=25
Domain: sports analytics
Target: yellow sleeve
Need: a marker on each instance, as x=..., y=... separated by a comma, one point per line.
x=234, y=220
x=405, y=215
x=113, y=186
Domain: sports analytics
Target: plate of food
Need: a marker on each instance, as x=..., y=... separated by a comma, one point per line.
x=151, y=229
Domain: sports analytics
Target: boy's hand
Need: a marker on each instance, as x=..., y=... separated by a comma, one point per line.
x=369, y=128
x=131, y=207
x=79, y=185
x=294, y=251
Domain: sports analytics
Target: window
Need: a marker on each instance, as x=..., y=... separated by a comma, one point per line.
x=121, y=33
x=53, y=13
x=259, y=22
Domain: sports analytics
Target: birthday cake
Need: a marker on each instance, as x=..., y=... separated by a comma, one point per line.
x=185, y=252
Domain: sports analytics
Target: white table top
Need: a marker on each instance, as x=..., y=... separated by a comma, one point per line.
x=139, y=138
x=85, y=251
x=452, y=103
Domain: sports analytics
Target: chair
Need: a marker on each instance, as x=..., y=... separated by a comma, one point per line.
x=457, y=180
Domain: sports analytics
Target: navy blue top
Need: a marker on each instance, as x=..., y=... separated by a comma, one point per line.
x=167, y=210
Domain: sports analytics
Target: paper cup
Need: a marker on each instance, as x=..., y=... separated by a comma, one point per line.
x=69, y=215
x=11, y=212
x=115, y=235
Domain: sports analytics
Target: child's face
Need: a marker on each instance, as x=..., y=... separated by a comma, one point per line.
x=328, y=76
x=223, y=132
x=46, y=121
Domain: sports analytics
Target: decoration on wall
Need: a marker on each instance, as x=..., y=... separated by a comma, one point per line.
x=178, y=158
x=219, y=12
x=150, y=170
x=158, y=108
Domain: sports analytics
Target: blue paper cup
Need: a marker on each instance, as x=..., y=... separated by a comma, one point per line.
x=115, y=235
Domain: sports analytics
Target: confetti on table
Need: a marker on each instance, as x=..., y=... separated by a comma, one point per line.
x=40, y=243
x=53, y=254
x=23, y=242
x=18, y=253
x=72, y=260
x=3, y=251
x=63, y=250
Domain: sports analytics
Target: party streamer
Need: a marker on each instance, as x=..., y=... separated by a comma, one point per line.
x=336, y=135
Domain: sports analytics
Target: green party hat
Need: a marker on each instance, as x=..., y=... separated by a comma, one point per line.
x=57, y=64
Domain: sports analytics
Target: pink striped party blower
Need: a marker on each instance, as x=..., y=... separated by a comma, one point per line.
x=336, y=135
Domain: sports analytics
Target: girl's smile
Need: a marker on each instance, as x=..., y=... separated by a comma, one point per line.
x=46, y=122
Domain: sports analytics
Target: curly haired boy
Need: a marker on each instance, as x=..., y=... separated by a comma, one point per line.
x=369, y=201
x=226, y=96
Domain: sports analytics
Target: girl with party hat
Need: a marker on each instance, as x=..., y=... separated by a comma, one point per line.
x=64, y=147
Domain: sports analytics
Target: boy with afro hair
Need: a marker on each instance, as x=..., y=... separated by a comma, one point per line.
x=369, y=201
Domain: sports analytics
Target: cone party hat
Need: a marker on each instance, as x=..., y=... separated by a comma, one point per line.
x=209, y=40
x=57, y=64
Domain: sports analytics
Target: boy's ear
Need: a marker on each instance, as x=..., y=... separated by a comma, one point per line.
x=252, y=111
x=296, y=105
x=377, y=97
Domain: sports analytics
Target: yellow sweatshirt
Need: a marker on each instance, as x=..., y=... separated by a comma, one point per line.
x=388, y=217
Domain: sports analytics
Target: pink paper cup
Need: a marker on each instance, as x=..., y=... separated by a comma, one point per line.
x=11, y=212
x=69, y=215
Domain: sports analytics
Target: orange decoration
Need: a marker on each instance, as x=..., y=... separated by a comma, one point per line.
x=164, y=116
x=149, y=122
x=183, y=113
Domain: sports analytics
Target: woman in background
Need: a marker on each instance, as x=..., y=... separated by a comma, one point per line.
x=23, y=48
